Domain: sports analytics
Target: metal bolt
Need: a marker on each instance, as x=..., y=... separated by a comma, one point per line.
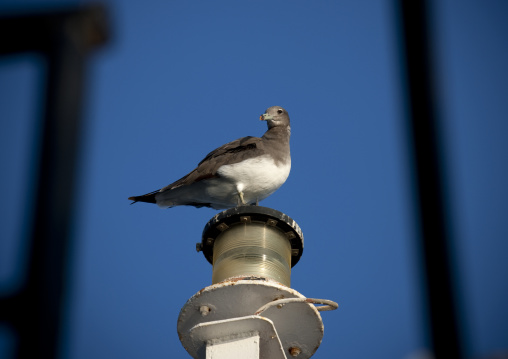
x=271, y=222
x=222, y=227
x=290, y=235
x=199, y=247
x=205, y=310
x=294, y=351
x=209, y=241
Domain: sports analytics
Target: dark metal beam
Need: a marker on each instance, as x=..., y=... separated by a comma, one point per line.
x=428, y=168
x=64, y=38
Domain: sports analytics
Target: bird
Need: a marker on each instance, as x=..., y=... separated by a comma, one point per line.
x=241, y=172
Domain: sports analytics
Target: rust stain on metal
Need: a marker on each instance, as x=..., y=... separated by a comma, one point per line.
x=232, y=281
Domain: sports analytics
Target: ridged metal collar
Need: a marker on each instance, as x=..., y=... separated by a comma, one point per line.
x=247, y=214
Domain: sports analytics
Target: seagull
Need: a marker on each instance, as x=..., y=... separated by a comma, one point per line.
x=241, y=172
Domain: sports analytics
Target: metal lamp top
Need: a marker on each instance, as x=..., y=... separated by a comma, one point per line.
x=248, y=214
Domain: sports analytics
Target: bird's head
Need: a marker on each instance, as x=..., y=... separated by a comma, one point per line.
x=275, y=116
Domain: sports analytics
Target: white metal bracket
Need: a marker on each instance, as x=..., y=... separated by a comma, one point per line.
x=249, y=337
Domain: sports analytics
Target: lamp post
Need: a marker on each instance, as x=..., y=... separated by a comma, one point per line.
x=250, y=309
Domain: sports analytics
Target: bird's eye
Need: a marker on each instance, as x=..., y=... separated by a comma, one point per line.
x=279, y=111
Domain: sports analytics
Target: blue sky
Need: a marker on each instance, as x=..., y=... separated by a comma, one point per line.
x=179, y=78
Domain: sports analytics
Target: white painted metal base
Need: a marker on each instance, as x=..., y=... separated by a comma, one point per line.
x=225, y=310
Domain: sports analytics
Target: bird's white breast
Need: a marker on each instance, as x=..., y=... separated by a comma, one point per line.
x=256, y=177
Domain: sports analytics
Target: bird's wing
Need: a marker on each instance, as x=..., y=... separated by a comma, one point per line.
x=237, y=146
x=236, y=152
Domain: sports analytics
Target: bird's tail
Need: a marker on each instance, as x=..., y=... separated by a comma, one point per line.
x=148, y=198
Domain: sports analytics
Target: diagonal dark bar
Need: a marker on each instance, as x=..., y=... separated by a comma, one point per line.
x=64, y=38
x=427, y=155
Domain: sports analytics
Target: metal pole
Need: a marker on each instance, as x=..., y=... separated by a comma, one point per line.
x=64, y=38
x=427, y=158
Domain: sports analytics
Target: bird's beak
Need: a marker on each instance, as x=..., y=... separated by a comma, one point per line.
x=265, y=117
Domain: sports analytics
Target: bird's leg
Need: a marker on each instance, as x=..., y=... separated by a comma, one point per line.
x=240, y=197
x=239, y=190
